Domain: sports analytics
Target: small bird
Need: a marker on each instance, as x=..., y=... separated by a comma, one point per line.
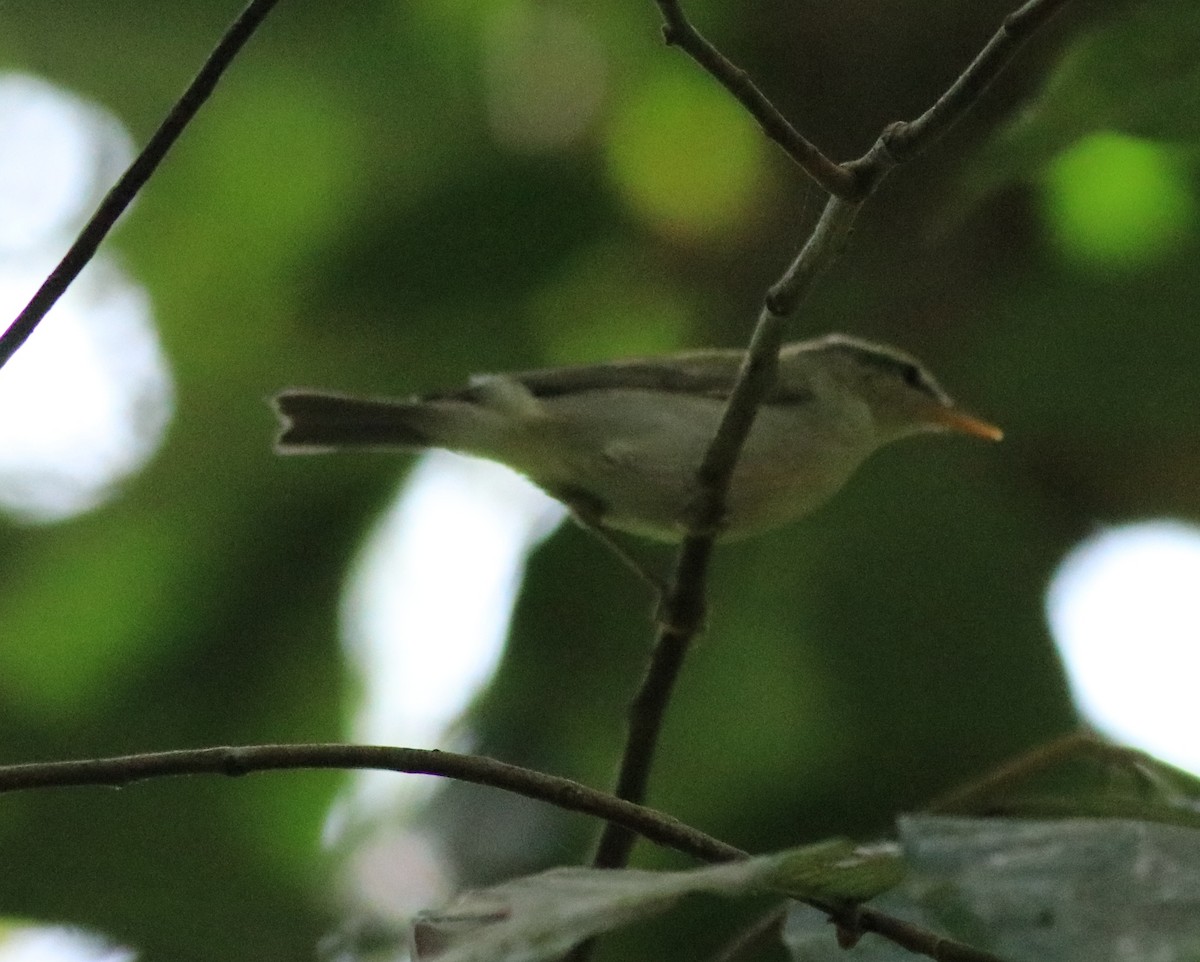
x=620, y=442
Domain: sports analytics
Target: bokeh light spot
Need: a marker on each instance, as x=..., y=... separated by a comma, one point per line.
x=54, y=943
x=1115, y=200
x=1124, y=607
x=85, y=402
x=425, y=614
x=426, y=609
x=546, y=76
x=685, y=156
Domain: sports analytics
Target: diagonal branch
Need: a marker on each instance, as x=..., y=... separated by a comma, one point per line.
x=135, y=177
x=769, y=924
x=679, y=32
x=905, y=140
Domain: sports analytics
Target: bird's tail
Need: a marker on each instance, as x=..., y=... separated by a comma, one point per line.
x=313, y=422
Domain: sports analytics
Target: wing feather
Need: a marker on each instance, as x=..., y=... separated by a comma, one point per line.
x=703, y=373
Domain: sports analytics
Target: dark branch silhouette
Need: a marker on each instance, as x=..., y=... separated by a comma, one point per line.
x=135, y=177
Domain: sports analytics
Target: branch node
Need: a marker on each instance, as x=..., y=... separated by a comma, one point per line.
x=1014, y=24
x=870, y=169
x=682, y=615
x=847, y=918
x=236, y=763
x=776, y=302
x=890, y=133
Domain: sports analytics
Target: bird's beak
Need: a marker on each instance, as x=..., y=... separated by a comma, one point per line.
x=952, y=419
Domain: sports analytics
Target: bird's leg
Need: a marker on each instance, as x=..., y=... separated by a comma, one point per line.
x=590, y=521
x=655, y=583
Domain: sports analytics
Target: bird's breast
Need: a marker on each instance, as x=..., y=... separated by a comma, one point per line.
x=636, y=454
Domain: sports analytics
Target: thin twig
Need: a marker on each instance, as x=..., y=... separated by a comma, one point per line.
x=905, y=140
x=678, y=31
x=134, y=178
x=682, y=614
x=237, y=761
x=911, y=937
x=241, y=760
x=986, y=794
x=597, y=530
x=968, y=798
x=767, y=924
x=854, y=921
x=683, y=609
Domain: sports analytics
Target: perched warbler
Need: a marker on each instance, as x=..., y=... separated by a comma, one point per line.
x=619, y=443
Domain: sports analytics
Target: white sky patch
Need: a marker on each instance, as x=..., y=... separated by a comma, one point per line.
x=85, y=402
x=1124, y=607
x=49, y=943
x=428, y=603
x=60, y=155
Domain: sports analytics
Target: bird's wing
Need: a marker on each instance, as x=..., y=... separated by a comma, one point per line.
x=702, y=373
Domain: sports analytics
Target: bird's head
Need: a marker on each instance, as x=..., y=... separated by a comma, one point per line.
x=901, y=395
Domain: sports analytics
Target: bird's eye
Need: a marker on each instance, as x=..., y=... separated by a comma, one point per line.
x=913, y=377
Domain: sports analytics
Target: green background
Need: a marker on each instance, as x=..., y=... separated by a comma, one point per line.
x=344, y=213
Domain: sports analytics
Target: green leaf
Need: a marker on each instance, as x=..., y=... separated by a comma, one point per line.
x=542, y=916
x=1071, y=890
x=838, y=871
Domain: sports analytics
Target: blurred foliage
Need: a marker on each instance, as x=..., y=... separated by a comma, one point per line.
x=1115, y=200
x=1135, y=73
x=372, y=202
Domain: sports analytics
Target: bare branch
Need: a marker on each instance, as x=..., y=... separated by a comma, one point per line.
x=678, y=31
x=241, y=760
x=769, y=924
x=853, y=922
x=905, y=140
x=134, y=178
x=912, y=937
